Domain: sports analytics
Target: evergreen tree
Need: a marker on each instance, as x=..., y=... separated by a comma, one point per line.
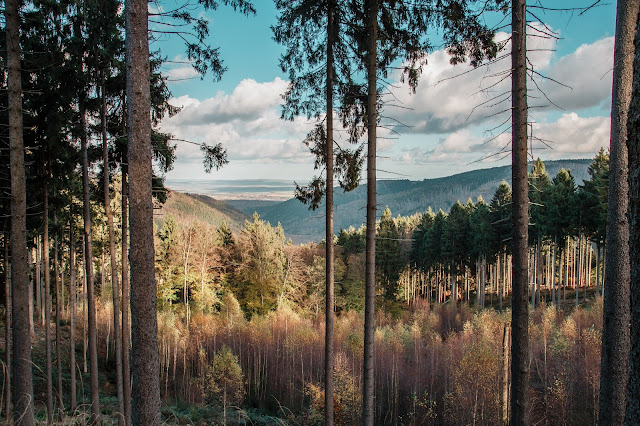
x=501, y=217
x=389, y=258
x=23, y=384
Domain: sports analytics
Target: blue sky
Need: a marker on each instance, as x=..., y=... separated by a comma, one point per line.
x=447, y=135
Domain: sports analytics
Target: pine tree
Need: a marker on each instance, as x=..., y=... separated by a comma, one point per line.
x=632, y=415
x=23, y=388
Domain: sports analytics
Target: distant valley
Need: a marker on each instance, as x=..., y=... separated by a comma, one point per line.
x=404, y=197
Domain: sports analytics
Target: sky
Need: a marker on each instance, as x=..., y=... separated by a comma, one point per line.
x=455, y=121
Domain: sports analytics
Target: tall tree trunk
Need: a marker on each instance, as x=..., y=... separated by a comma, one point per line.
x=23, y=389
x=56, y=272
x=368, y=407
x=633, y=144
x=32, y=328
x=614, y=368
x=7, y=333
x=144, y=326
x=47, y=299
x=72, y=317
x=520, y=272
x=597, y=269
x=88, y=262
x=126, y=331
x=329, y=270
x=38, y=274
x=504, y=401
x=115, y=288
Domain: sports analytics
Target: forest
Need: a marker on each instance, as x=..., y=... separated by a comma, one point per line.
x=128, y=303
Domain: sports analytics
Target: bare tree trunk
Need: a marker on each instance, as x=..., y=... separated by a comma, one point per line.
x=56, y=270
x=7, y=333
x=126, y=331
x=633, y=144
x=72, y=317
x=614, y=368
x=115, y=288
x=32, y=328
x=519, y=302
x=91, y=308
x=368, y=407
x=329, y=271
x=144, y=326
x=23, y=389
x=47, y=301
x=38, y=284
x=505, y=374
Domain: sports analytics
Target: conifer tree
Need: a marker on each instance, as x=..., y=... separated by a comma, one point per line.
x=520, y=216
x=23, y=388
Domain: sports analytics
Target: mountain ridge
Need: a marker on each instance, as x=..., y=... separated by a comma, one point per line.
x=404, y=197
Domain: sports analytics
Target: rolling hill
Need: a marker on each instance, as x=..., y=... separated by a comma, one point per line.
x=200, y=208
x=404, y=197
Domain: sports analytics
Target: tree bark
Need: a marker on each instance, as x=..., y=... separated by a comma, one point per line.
x=144, y=326
x=56, y=272
x=504, y=402
x=72, y=317
x=520, y=214
x=368, y=407
x=633, y=143
x=329, y=271
x=47, y=298
x=23, y=389
x=115, y=288
x=614, y=368
x=7, y=332
x=88, y=262
x=126, y=331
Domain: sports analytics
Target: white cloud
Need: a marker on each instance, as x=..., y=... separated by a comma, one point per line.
x=181, y=73
x=451, y=98
x=247, y=123
x=571, y=136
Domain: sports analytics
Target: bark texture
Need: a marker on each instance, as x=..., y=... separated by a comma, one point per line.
x=144, y=326
x=72, y=318
x=614, y=368
x=368, y=407
x=88, y=263
x=633, y=144
x=520, y=214
x=115, y=288
x=23, y=388
x=329, y=345
x=126, y=331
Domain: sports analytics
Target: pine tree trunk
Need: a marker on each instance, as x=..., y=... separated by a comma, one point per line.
x=144, y=326
x=126, y=330
x=519, y=302
x=368, y=407
x=633, y=144
x=115, y=288
x=23, y=388
x=72, y=317
x=32, y=328
x=329, y=308
x=614, y=368
x=88, y=261
x=7, y=333
x=56, y=270
x=38, y=274
x=504, y=402
x=47, y=300
x=597, y=269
